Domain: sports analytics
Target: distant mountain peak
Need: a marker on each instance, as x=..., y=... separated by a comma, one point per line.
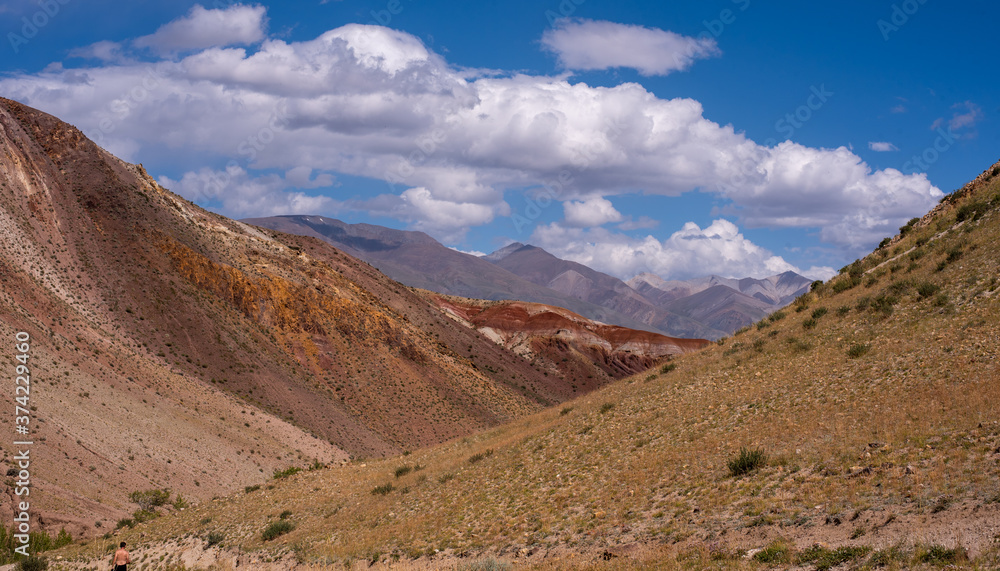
x=502, y=253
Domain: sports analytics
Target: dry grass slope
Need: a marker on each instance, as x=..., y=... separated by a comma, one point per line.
x=874, y=397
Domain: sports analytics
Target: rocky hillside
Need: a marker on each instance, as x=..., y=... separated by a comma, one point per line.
x=581, y=354
x=172, y=347
x=858, y=428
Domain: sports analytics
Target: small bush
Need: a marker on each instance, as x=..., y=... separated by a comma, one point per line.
x=150, y=498
x=286, y=472
x=825, y=558
x=819, y=312
x=863, y=303
x=277, y=529
x=858, y=350
x=477, y=457
x=971, y=211
x=126, y=522
x=758, y=344
x=606, y=407
x=249, y=489
x=746, y=461
x=927, y=289
x=843, y=310
x=777, y=316
x=777, y=552
x=33, y=563
x=565, y=411
x=214, y=538
x=402, y=471
x=809, y=323
x=940, y=555
x=285, y=514
x=667, y=368
x=383, y=490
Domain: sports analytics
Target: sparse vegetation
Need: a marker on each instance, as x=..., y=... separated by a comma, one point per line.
x=746, y=461
x=858, y=350
x=383, y=490
x=277, y=529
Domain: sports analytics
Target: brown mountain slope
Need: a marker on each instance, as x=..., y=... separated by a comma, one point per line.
x=417, y=260
x=580, y=353
x=176, y=347
x=874, y=401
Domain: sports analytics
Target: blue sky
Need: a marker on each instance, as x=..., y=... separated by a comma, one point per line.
x=734, y=137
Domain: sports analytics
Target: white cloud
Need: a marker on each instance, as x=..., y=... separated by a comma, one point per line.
x=590, y=44
x=882, y=147
x=718, y=249
x=243, y=196
x=591, y=212
x=104, y=51
x=373, y=102
x=201, y=28
x=475, y=253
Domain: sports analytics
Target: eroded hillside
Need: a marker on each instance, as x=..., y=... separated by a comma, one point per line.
x=872, y=402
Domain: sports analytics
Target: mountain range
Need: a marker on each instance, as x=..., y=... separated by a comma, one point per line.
x=173, y=347
x=708, y=308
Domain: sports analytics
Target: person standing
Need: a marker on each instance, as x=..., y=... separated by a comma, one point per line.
x=121, y=559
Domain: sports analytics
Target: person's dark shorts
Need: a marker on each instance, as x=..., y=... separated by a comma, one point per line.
x=121, y=567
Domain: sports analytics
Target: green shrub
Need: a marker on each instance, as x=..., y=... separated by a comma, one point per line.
x=927, y=289
x=277, y=529
x=758, y=344
x=213, y=538
x=286, y=472
x=253, y=488
x=606, y=407
x=746, y=461
x=819, y=312
x=33, y=563
x=858, y=350
x=565, y=411
x=125, y=522
x=402, y=471
x=809, y=323
x=383, y=490
x=825, y=558
x=903, y=231
x=477, y=457
x=777, y=552
x=667, y=368
x=777, y=316
x=150, y=498
x=971, y=211
x=843, y=310
x=863, y=303
x=285, y=514
x=940, y=555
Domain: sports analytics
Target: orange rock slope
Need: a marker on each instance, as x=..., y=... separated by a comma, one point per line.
x=587, y=353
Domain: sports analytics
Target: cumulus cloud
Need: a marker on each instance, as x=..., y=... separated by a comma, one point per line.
x=374, y=102
x=241, y=195
x=591, y=212
x=201, y=28
x=590, y=44
x=882, y=146
x=719, y=249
